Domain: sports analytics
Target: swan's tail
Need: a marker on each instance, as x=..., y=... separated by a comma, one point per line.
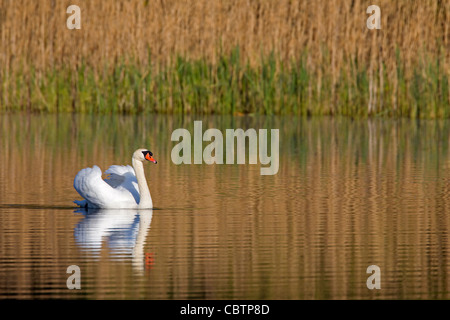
x=81, y=203
x=86, y=183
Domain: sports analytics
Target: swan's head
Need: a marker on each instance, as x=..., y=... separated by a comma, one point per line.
x=144, y=154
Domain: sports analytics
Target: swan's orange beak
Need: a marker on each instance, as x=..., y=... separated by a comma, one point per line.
x=150, y=158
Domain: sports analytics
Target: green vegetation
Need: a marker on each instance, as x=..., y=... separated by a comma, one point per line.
x=229, y=87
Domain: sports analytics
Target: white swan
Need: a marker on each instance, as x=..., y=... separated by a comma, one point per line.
x=126, y=187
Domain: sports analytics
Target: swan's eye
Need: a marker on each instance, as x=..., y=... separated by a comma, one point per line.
x=147, y=152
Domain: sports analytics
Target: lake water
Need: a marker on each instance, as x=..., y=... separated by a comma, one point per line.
x=348, y=194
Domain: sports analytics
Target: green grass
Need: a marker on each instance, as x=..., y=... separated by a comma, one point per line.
x=228, y=87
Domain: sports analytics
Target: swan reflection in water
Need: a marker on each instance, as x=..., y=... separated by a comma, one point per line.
x=124, y=231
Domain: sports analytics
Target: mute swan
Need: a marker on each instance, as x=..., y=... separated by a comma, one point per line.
x=126, y=187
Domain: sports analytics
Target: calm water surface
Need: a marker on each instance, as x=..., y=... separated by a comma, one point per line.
x=348, y=194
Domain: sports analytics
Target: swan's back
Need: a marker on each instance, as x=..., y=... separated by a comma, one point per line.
x=99, y=194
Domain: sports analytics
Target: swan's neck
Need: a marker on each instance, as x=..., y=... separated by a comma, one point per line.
x=144, y=193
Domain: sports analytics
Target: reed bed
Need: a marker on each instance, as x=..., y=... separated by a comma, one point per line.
x=226, y=57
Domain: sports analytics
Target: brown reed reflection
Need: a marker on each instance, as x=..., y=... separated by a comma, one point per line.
x=348, y=194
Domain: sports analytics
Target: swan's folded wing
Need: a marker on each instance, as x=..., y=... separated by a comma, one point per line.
x=118, y=174
x=123, y=177
x=90, y=185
